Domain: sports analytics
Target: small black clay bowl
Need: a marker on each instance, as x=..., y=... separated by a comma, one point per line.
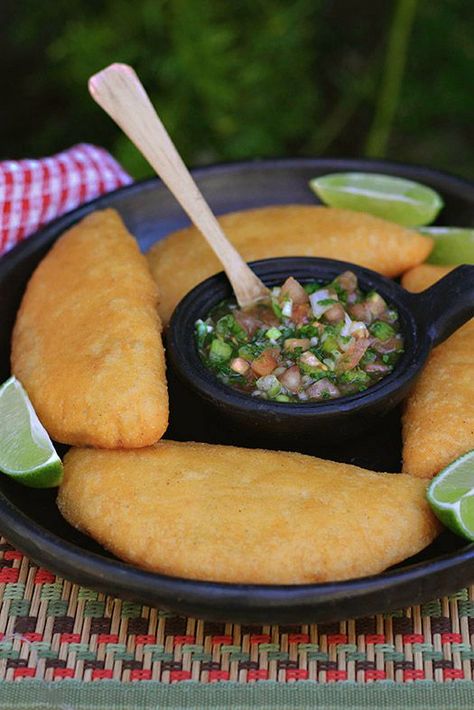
x=426, y=319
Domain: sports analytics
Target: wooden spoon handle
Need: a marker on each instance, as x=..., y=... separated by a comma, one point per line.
x=118, y=90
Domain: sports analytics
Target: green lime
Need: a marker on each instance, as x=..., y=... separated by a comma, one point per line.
x=452, y=245
x=451, y=495
x=26, y=451
x=396, y=199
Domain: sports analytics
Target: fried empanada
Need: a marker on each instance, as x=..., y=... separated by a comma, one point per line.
x=438, y=422
x=183, y=259
x=423, y=276
x=87, y=340
x=227, y=514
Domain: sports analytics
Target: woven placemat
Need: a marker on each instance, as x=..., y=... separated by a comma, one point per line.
x=51, y=629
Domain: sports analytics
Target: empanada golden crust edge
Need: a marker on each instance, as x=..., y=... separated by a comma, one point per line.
x=227, y=514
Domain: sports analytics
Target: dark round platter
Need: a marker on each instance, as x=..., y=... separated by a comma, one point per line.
x=30, y=520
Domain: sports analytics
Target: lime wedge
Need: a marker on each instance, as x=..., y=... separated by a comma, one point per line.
x=451, y=495
x=396, y=199
x=452, y=245
x=26, y=451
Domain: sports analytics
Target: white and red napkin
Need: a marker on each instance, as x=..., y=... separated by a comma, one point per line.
x=34, y=192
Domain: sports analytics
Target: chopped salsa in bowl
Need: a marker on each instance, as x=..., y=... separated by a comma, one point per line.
x=313, y=342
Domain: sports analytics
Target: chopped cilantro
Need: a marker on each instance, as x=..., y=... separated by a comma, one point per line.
x=228, y=326
x=308, y=331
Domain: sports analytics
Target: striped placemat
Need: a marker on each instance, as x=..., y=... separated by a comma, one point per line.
x=51, y=630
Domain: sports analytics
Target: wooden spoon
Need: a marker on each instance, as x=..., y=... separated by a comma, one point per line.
x=118, y=90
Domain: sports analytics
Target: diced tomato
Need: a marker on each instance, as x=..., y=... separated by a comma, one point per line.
x=321, y=388
x=353, y=355
x=294, y=290
x=265, y=363
x=387, y=346
x=347, y=280
x=239, y=365
x=361, y=312
x=248, y=322
x=293, y=343
x=301, y=313
x=335, y=314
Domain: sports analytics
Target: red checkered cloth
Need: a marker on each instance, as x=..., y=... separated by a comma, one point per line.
x=33, y=192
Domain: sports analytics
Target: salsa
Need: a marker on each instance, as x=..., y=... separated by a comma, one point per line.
x=313, y=342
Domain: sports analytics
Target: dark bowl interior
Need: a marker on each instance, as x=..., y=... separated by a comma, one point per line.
x=31, y=521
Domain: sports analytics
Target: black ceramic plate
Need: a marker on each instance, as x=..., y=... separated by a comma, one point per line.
x=30, y=520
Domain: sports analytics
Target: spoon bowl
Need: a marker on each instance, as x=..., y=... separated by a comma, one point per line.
x=426, y=319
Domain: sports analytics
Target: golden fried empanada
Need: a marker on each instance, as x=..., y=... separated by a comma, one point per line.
x=438, y=422
x=87, y=340
x=228, y=514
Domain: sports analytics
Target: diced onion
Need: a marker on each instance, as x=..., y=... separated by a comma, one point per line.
x=345, y=330
x=268, y=383
x=350, y=327
x=321, y=295
x=319, y=311
x=287, y=308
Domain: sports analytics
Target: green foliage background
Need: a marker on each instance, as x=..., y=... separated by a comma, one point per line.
x=237, y=79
